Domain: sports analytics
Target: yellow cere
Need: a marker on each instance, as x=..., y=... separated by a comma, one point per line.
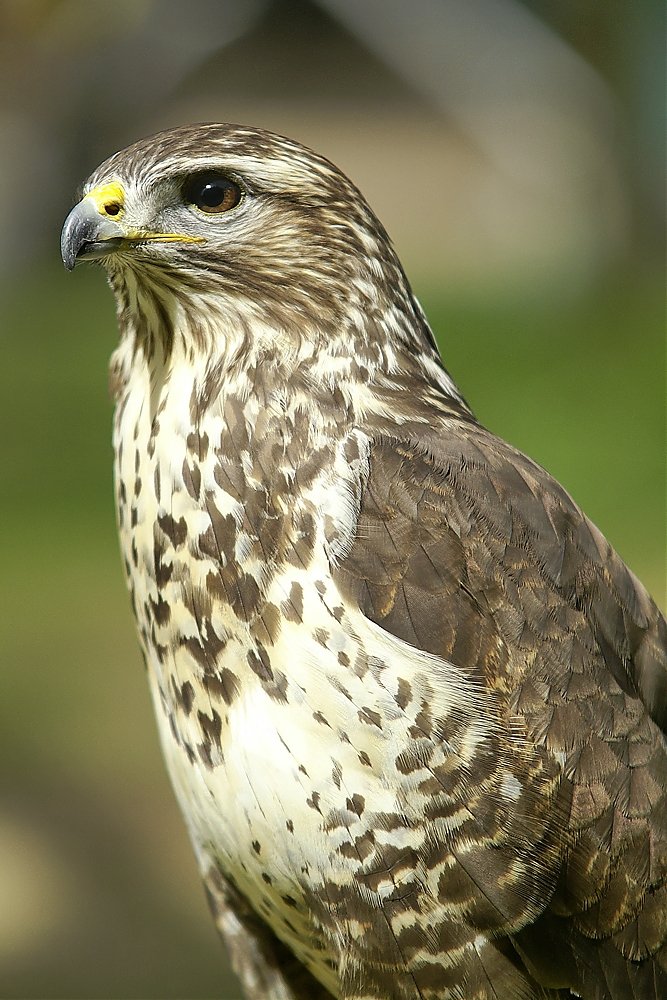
x=109, y=199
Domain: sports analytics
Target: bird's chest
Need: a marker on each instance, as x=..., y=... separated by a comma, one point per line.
x=245, y=638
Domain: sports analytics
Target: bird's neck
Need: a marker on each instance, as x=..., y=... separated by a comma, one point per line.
x=377, y=363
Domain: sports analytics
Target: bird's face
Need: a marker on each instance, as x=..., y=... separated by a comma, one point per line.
x=124, y=221
x=230, y=209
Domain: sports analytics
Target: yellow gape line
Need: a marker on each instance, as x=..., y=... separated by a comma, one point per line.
x=143, y=236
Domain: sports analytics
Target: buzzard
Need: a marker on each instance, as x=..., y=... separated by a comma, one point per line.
x=412, y=703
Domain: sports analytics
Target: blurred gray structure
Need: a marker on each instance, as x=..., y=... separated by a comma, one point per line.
x=487, y=144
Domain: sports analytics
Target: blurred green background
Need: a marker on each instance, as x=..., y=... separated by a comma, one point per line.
x=513, y=150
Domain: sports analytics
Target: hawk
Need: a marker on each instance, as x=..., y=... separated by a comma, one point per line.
x=412, y=703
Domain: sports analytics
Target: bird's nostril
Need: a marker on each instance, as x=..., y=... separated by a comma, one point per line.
x=111, y=208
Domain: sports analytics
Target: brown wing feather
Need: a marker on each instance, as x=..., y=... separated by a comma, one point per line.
x=472, y=552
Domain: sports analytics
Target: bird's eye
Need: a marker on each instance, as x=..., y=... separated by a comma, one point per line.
x=211, y=193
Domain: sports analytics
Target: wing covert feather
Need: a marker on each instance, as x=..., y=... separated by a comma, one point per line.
x=468, y=550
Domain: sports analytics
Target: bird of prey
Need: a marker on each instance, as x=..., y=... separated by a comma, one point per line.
x=412, y=703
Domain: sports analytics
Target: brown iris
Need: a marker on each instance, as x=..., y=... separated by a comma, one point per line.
x=211, y=192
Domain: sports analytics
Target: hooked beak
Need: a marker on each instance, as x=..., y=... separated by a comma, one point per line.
x=87, y=235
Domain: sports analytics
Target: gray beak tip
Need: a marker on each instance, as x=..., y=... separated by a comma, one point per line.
x=67, y=253
x=77, y=228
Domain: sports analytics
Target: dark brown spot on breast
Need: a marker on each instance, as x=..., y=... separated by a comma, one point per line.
x=292, y=608
x=192, y=479
x=222, y=684
x=267, y=628
x=241, y=590
x=161, y=610
x=212, y=643
x=260, y=663
x=404, y=693
x=194, y=647
x=184, y=695
x=314, y=801
x=356, y=804
x=176, y=531
x=370, y=717
x=211, y=727
x=208, y=545
x=409, y=760
x=365, y=845
x=197, y=444
x=204, y=751
x=163, y=571
x=322, y=636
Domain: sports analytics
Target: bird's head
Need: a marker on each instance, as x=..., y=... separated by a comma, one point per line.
x=239, y=213
x=234, y=242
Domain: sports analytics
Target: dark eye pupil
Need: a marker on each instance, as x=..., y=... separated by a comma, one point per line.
x=211, y=193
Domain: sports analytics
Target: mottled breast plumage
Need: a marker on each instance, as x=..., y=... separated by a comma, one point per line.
x=412, y=703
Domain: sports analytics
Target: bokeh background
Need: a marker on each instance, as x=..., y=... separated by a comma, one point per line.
x=514, y=152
